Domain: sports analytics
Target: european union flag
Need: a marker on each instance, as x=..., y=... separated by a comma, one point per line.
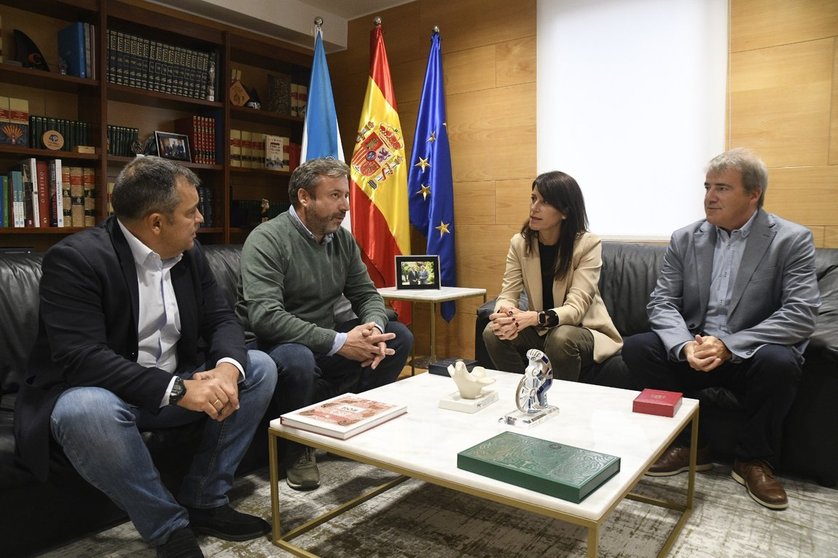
x=430, y=184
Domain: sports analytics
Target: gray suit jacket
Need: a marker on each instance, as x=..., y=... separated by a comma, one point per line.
x=775, y=298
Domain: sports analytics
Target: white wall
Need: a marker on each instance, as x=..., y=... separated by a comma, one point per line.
x=631, y=103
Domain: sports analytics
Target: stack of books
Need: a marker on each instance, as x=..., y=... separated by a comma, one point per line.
x=140, y=62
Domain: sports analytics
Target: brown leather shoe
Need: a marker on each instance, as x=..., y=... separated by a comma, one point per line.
x=676, y=460
x=758, y=477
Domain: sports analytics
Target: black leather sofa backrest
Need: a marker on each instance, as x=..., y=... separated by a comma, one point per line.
x=20, y=275
x=19, y=278
x=629, y=273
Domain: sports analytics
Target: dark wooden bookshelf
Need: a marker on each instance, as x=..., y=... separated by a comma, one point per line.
x=101, y=103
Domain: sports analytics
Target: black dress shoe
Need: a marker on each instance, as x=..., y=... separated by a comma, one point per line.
x=226, y=523
x=181, y=544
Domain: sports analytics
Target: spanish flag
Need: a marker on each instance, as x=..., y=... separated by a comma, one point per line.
x=378, y=193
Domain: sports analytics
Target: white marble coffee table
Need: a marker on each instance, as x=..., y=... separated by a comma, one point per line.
x=423, y=444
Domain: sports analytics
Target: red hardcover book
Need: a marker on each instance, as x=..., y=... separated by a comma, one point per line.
x=43, y=193
x=657, y=402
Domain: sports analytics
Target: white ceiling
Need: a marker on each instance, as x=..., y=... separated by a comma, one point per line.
x=289, y=20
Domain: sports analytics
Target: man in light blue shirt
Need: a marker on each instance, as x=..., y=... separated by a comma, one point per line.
x=734, y=306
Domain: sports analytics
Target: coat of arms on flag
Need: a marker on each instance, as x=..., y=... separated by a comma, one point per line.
x=377, y=152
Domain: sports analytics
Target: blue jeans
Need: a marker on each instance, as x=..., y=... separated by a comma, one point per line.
x=305, y=377
x=100, y=434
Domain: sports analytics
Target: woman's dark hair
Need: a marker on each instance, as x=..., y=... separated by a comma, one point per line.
x=561, y=191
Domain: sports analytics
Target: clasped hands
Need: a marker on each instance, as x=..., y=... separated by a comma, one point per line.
x=366, y=344
x=706, y=353
x=508, y=322
x=214, y=392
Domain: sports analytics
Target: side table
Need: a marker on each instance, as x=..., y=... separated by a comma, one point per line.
x=433, y=297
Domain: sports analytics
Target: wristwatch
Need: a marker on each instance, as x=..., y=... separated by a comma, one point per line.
x=178, y=391
x=548, y=319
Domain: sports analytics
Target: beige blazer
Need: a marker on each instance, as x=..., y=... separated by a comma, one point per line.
x=581, y=304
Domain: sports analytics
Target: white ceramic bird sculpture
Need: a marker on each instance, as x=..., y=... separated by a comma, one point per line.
x=470, y=384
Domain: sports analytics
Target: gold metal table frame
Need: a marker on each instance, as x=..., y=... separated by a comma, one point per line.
x=284, y=540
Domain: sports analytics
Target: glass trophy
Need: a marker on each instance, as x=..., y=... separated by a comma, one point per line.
x=531, y=393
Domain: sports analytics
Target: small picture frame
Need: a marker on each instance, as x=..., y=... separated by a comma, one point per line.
x=173, y=146
x=417, y=272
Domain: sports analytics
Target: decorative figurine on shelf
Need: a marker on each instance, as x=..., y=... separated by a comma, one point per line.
x=470, y=384
x=27, y=53
x=538, y=378
x=531, y=393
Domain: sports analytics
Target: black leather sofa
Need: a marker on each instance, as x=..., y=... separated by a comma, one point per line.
x=810, y=444
x=33, y=515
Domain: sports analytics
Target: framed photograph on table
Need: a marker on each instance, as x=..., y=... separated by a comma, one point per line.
x=417, y=272
x=173, y=146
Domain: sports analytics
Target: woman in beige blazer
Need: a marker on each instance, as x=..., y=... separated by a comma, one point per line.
x=556, y=261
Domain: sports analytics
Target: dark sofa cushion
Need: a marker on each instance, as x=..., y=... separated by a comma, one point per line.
x=825, y=338
x=20, y=275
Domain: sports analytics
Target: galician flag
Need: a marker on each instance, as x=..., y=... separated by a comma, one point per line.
x=430, y=183
x=321, y=137
x=378, y=193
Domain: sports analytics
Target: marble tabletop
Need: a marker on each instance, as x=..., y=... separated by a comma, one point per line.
x=424, y=442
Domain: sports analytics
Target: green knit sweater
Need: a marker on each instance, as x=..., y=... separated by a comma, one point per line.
x=289, y=285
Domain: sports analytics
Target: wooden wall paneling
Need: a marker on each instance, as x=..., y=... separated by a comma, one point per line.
x=762, y=23
x=492, y=133
x=469, y=24
x=830, y=239
x=806, y=195
x=513, y=201
x=780, y=102
x=833, y=117
x=475, y=203
x=818, y=236
x=515, y=61
x=469, y=70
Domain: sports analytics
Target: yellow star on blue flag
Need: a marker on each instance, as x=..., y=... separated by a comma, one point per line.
x=430, y=184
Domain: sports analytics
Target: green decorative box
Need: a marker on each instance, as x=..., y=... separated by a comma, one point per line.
x=559, y=470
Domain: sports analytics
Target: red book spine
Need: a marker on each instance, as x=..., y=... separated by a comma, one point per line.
x=43, y=193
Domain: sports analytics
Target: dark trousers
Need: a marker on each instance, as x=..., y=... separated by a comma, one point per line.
x=764, y=384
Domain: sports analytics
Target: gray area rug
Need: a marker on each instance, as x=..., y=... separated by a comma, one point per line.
x=417, y=519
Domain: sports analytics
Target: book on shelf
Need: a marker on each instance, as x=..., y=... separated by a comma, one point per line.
x=29, y=170
x=76, y=196
x=4, y=202
x=343, y=416
x=72, y=48
x=551, y=468
x=201, y=133
x=42, y=168
x=657, y=402
x=89, y=192
x=279, y=94
x=66, y=200
x=15, y=130
x=275, y=152
x=235, y=148
x=17, y=208
x=56, y=194
x=299, y=99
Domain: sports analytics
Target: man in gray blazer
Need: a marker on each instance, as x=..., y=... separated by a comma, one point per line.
x=734, y=306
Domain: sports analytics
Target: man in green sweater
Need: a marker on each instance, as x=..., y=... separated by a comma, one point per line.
x=294, y=269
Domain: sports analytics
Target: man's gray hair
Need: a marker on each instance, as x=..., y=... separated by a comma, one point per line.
x=753, y=170
x=149, y=185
